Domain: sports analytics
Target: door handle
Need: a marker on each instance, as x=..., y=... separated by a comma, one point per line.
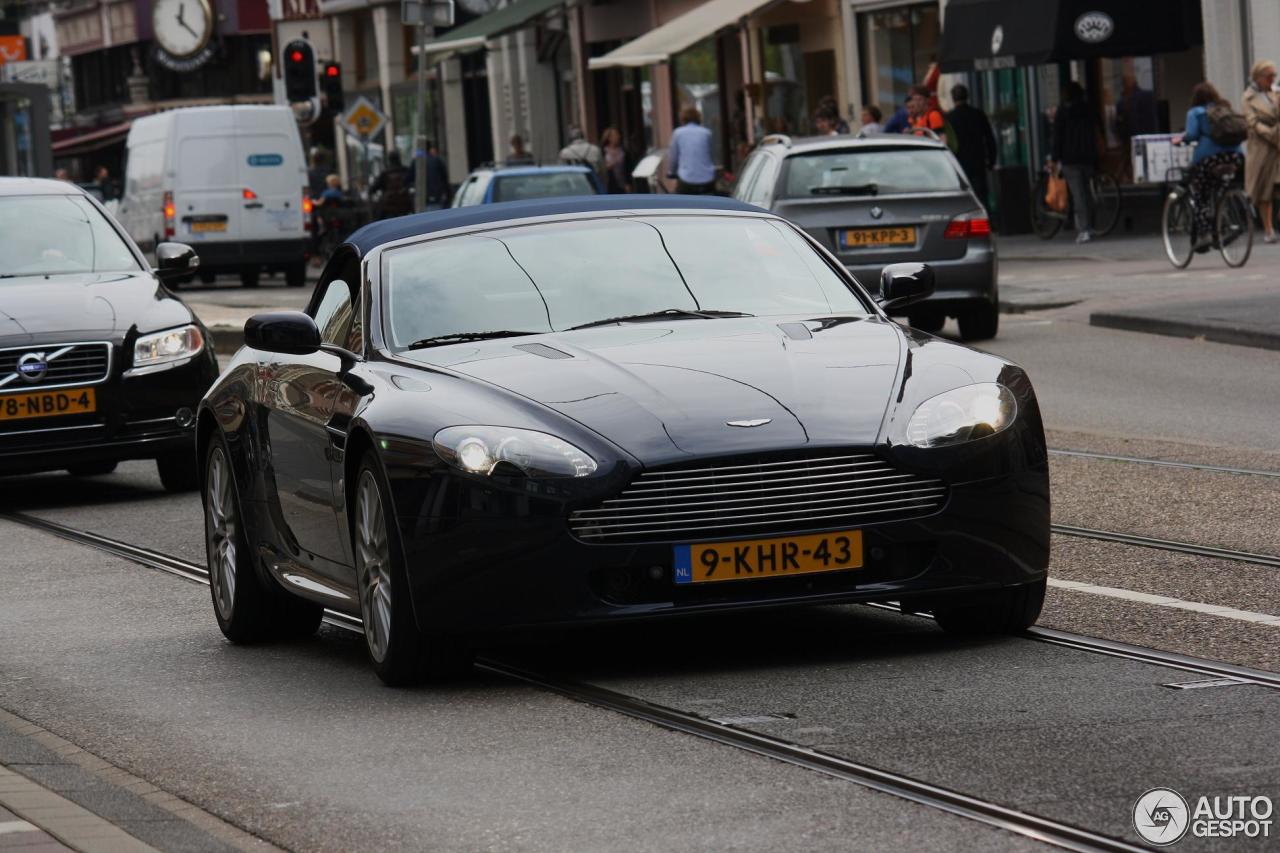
x=253, y=205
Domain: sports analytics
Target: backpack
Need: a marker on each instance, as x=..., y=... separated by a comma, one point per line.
x=1226, y=126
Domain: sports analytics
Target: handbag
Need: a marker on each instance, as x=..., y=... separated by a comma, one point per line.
x=1056, y=195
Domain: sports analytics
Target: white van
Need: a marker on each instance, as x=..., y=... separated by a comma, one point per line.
x=231, y=181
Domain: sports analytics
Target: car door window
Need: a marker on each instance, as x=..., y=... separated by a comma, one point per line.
x=761, y=190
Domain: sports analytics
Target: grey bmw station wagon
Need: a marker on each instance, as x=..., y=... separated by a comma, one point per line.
x=880, y=200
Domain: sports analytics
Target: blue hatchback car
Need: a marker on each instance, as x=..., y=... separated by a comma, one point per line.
x=520, y=183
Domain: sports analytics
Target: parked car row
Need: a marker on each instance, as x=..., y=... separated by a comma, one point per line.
x=568, y=407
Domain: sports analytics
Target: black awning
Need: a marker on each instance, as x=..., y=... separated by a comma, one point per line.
x=986, y=34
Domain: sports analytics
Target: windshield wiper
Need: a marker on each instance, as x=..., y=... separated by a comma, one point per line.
x=850, y=189
x=464, y=337
x=664, y=314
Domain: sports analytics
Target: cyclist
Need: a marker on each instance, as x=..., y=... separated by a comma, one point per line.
x=1208, y=155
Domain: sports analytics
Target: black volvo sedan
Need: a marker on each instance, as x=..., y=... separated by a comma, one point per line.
x=98, y=361
x=603, y=408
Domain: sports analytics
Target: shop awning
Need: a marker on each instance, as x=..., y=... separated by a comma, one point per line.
x=473, y=35
x=91, y=140
x=659, y=45
x=986, y=34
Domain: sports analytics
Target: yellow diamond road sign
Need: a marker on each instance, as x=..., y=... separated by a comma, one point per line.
x=363, y=119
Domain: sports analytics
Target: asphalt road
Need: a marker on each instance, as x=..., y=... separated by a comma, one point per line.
x=301, y=746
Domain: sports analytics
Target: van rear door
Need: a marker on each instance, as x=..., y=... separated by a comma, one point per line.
x=206, y=196
x=268, y=166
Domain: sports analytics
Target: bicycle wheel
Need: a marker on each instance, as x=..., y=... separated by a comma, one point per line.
x=1045, y=221
x=1234, y=222
x=1105, y=194
x=1177, y=225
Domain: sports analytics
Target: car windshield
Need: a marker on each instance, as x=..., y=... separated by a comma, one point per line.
x=57, y=234
x=875, y=171
x=557, y=276
x=541, y=185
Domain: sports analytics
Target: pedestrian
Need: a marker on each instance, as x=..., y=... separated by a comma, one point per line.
x=1208, y=155
x=899, y=121
x=316, y=174
x=102, y=180
x=1262, y=151
x=827, y=104
x=921, y=114
x=519, y=155
x=975, y=141
x=1075, y=151
x=871, y=116
x=391, y=189
x=437, y=178
x=333, y=193
x=824, y=123
x=61, y=175
x=580, y=151
x=617, y=165
x=689, y=158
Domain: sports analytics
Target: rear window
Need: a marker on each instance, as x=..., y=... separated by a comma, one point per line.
x=547, y=185
x=870, y=172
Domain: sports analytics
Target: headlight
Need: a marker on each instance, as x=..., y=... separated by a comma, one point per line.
x=962, y=414
x=162, y=350
x=479, y=449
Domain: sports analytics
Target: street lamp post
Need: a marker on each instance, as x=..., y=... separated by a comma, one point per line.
x=426, y=15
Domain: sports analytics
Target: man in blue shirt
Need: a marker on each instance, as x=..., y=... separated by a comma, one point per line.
x=689, y=157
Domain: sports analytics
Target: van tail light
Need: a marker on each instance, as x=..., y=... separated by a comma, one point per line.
x=308, y=207
x=967, y=225
x=249, y=195
x=170, y=213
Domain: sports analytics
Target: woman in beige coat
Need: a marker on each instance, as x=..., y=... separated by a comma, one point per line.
x=1262, y=154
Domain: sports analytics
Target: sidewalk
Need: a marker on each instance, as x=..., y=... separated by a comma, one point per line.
x=54, y=796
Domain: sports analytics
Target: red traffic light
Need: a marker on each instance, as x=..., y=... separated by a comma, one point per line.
x=331, y=70
x=296, y=56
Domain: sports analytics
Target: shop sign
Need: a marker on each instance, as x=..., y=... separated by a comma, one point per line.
x=185, y=64
x=12, y=49
x=41, y=71
x=1094, y=27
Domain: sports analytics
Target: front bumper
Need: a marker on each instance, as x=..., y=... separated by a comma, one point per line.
x=136, y=418
x=481, y=571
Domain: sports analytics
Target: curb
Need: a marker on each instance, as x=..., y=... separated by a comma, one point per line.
x=1028, y=307
x=227, y=340
x=1182, y=329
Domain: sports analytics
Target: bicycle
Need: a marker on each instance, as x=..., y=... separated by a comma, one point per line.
x=1232, y=220
x=1104, y=192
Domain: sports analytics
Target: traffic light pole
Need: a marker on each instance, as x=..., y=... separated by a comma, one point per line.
x=420, y=139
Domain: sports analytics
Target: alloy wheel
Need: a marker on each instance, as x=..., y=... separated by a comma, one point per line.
x=222, y=530
x=373, y=566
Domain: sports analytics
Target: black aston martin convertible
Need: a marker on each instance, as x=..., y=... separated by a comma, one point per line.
x=603, y=408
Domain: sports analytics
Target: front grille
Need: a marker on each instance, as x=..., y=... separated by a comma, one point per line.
x=68, y=364
x=767, y=496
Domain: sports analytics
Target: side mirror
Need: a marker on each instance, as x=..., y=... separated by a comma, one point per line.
x=288, y=332
x=175, y=260
x=904, y=284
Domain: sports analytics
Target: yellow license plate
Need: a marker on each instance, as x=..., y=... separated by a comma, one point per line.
x=858, y=238
x=47, y=404
x=207, y=227
x=768, y=558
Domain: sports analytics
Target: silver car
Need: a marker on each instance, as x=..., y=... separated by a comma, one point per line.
x=880, y=200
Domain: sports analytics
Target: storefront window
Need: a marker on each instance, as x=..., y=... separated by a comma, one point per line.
x=788, y=111
x=697, y=82
x=898, y=46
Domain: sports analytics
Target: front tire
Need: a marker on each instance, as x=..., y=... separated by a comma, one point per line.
x=295, y=275
x=927, y=321
x=1004, y=611
x=402, y=654
x=178, y=472
x=249, y=278
x=1177, y=229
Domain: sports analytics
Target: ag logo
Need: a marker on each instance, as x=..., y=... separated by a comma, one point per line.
x=1161, y=816
x=1094, y=27
x=997, y=39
